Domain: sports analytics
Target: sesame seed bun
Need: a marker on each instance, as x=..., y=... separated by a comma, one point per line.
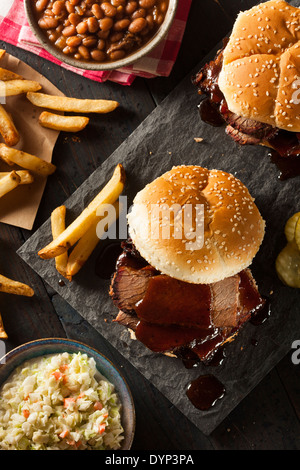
x=261, y=69
x=233, y=228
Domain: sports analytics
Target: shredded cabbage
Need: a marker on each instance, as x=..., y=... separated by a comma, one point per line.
x=59, y=402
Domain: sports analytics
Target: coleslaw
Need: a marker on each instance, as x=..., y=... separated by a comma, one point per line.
x=59, y=402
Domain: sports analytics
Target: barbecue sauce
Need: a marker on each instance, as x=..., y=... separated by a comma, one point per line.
x=210, y=114
x=205, y=391
x=106, y=260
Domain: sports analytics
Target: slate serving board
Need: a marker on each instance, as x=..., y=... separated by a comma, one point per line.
x=165, y=139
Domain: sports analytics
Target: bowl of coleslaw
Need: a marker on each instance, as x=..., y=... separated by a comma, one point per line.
x=60, y=394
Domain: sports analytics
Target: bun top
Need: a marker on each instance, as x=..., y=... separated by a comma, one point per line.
x=196, y=225
x=260, y=78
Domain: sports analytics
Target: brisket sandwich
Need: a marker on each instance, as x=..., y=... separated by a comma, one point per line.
x=253, y=84
x=187, y=295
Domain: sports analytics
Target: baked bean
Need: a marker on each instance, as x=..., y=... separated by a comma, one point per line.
x=69, y=31
x=89, y=41
x=69, y=7
x=118, y=3
x=97, y=12
x=137, y=25
x=98, y=29
x=115, y=37
x=82, y=27
x=147, y=3
x=58, y=7
x=106, y=23
x=108, y=9
x=74, y=19
x=131, y=7
x=48, y=23
x=73, y=41
x=163, y=7
x=121, y=24
x=117, y=55
x=141, y=13
x=98, y=55
x=93, y=24
x=101, y=44
x=41, y=5
x=84, y=52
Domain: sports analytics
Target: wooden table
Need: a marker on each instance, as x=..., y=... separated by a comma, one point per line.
x=268, y=418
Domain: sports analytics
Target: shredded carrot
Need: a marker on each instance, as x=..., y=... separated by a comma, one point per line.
x=69, y=400
x=57, y=375
x=26, y=413
x=98, y=405
x=64, y=434
x=101, y=428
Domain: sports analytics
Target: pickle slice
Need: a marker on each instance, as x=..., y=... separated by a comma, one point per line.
x=290, y=227
x=288, y=265
x=297, y=233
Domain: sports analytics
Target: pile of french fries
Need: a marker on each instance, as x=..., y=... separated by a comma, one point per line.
x=72, y=246
x=9, y=286
x=12, y=84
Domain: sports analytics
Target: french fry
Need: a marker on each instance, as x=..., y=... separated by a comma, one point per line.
x=14, y=287
x=8, y=130
x=3, y=334
x=8, y=183
x=18, y=87
x=76, y=105
x=2, y=53
x=58, y=122
x=108, y=195
x=87, y=244
x=25, y=176
x=58, y=225
x=6, y=75
x=26, y=160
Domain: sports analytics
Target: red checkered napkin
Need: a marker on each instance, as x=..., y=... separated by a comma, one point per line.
x=15, y=30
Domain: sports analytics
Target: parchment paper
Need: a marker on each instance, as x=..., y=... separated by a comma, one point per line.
x=164, y=139
x=19, y=207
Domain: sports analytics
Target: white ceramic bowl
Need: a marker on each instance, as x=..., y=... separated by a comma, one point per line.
x=142, y=52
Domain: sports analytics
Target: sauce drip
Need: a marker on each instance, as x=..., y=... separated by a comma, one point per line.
x=289, y=167
x=205, y=391
x=106, y=260
x=258, y=317
x=210, y=114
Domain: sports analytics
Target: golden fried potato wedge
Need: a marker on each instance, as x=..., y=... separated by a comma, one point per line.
x=108, y=195
x=18, y=87
x=14, y=287
x=8, y=129
x=76, y=105
x=290, y=227
x=8, y=183
x=3, y=334
x=6, y=75
x=26, y=160
x=288, y=265
x=58, y=225
x=25, y=176
x=2, y=53
x=58, y=122
x=87, y=244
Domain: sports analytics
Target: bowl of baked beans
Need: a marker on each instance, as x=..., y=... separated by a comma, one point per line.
x=100, y=34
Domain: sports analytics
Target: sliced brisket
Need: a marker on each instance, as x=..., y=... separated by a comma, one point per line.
x=168, y=315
